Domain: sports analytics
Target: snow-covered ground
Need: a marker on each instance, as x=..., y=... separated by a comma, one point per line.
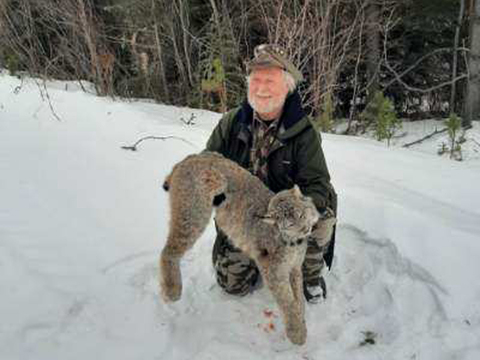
x=82, y=222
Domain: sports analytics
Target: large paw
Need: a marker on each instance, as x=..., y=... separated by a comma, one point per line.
x=170, y=280
x=171, y=293
x=297, y=334
x=323, y=230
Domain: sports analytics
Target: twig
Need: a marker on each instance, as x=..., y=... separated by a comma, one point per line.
x=50, y=102
x=425, y=138
x=134, y=146
x=190, y=121
x=18, y=88
x=44, y=92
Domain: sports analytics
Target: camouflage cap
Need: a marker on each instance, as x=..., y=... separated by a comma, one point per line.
x=271, y=55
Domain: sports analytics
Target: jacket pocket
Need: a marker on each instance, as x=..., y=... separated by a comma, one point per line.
x=282, y=171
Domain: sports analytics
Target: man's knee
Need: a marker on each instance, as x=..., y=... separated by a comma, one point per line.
x=236, y=273
x=237, y=279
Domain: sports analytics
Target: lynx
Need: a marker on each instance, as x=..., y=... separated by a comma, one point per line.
x=270, y=228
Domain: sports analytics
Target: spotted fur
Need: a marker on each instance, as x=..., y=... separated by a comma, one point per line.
x=270, y=228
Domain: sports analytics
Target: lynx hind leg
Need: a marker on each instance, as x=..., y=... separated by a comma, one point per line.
x=190, y=211
x=170, y=276
x=213, y=182
x=284, y=289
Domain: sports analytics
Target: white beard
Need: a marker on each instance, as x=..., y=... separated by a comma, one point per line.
x=271, y=106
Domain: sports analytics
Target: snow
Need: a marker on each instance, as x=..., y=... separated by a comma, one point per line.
x=82, y=223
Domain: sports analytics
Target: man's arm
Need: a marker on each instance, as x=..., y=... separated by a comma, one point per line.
x=314, y=181
x=312, y=174
x=219, y=138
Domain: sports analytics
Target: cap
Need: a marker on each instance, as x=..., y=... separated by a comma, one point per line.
x=271, y=55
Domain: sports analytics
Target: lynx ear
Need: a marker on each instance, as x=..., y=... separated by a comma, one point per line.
x=296, y=191
x=268, y=219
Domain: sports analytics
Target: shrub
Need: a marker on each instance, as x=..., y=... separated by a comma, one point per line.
x=380, y=113
x=454, y=126
x=325, y=120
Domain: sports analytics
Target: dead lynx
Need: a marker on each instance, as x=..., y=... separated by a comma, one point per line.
x=269, y=228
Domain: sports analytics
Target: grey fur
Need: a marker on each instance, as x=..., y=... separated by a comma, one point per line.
x=264, y=225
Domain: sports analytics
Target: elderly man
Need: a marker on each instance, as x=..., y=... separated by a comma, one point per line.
x=272, y=137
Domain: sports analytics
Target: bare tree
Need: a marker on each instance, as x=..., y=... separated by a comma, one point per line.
x=373, y=47
x=319, y=36
x=455, y=55
x=472, y=104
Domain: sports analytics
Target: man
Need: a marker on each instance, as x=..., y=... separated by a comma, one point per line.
x=272, y=137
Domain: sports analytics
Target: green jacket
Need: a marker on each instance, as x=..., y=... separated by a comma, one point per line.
x=296, y=159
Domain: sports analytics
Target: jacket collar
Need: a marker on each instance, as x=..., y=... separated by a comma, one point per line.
x=292, y=112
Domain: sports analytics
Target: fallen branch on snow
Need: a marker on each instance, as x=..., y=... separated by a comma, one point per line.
x=475, y=141
x=425, y=137
x=134, y=146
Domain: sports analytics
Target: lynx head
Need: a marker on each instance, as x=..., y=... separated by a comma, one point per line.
x=292, y=213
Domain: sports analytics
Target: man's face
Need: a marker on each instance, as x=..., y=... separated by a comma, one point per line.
x=267, y=92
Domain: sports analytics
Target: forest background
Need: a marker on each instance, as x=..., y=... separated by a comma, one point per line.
x=422, y=55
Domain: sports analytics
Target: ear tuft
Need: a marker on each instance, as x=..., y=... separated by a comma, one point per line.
x=296, y=190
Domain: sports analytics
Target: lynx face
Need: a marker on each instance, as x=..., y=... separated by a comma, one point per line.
x=293, y=213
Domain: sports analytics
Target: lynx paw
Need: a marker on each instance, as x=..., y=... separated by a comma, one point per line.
x=170, y=280
x=323, y=230
x=297, y=335
x=171, y=293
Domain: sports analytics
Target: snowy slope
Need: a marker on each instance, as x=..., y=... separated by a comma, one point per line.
x=82, y=223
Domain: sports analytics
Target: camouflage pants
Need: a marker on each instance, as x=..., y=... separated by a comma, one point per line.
x=237, y=274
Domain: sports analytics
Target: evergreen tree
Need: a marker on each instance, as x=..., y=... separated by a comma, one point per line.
x=380, y=113
x=454, y=126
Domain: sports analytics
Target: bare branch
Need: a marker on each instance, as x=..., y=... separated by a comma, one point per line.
x=421, y=59
x=134, y=146
x=425, y=137
x=398, y=77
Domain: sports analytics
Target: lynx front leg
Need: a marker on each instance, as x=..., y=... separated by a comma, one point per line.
x=296, y=282
x=277, y=278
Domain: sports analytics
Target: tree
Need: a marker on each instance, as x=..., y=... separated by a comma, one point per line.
x=172, y=50
x=456, y=42
x=472, y=102
x=373, y=48
x=380, y=113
